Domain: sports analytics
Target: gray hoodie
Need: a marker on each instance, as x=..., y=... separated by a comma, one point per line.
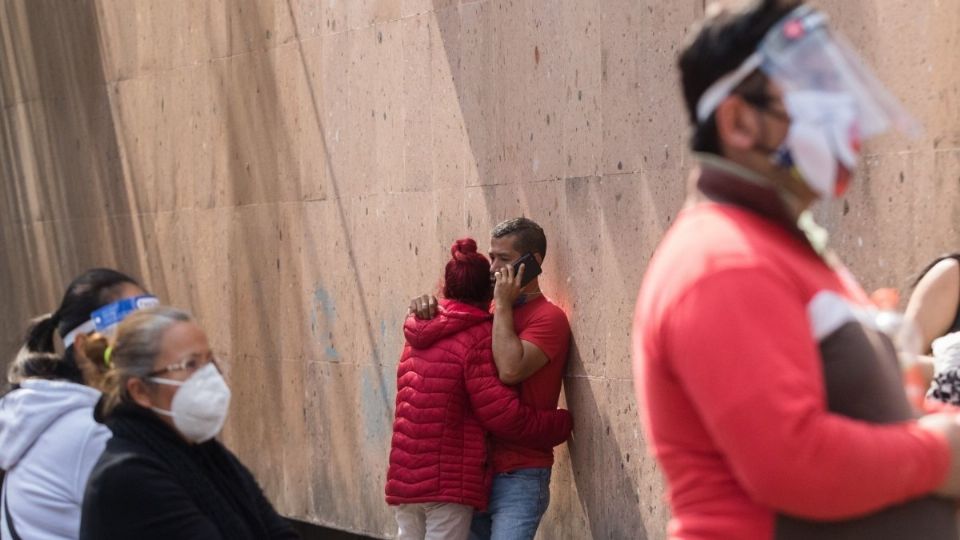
x=49, y=443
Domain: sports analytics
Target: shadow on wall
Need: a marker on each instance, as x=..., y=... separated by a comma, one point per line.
x=248, y=131
x=599, y=471
x=64, y=201
x=333, y=461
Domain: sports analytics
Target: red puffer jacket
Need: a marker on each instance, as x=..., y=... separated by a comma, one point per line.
x=448, y=398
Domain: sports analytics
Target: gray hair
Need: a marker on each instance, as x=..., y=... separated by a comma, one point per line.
x=139, y=343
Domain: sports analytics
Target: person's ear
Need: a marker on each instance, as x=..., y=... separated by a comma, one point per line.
x=88, y=370
x=139, y=392
x=737, y=124
x=539, y=258
x=80, y=346
x=94, y=349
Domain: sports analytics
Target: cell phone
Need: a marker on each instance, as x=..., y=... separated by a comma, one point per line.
x=531, y=268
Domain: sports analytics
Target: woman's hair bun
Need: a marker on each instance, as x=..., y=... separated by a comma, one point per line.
x=463, y=247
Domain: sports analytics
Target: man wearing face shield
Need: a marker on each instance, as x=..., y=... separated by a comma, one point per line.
x=773, y=405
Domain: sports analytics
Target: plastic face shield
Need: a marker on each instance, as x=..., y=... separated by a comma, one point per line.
x=801, y=53
x=106, y=319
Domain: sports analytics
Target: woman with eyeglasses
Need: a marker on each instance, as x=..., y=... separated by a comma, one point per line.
x=163, y=474
x=49, y=440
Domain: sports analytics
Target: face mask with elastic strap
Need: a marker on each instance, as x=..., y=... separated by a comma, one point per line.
x=200, y=404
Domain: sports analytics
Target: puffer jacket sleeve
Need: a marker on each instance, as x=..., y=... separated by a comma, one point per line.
x=500, y=411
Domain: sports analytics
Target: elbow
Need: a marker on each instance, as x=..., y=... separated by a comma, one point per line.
x=799, y=495
x=780, y=492
x=780, y=483
x=771, y=489
x=510, y=378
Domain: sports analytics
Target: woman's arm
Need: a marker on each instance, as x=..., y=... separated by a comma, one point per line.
x=499, y=409
x=934, y=302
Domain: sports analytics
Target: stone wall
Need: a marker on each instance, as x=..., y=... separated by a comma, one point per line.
x=294, y=171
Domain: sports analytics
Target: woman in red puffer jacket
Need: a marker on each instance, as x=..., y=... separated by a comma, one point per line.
x=449, y=398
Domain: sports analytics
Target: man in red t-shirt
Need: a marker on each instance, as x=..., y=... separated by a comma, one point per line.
x=531, y=338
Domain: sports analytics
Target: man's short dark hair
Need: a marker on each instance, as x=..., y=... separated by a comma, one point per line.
x=720, y=44
x=528, y=236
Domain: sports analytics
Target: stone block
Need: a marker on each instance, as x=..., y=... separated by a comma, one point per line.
x=662, y=117
x=52, y=68
x=345, y=460
x=537, y=58
x=294, y=304
x=494, y=59
x=450, y=145
x=636, y=213
x=256, y=159
x=308, y=17
x=254, y=429
x=332, y=155
x=295, y=450
x=581, y=116
x=255, y=278
x=410, y=8
x=334, y=296
x=313, y=146
x=209, y=275
x=605, y=484
x=416, y=90
x=621, y=86
x=362, y=14
x=380, y=82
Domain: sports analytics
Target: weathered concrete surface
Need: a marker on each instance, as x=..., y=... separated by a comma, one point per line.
x=294, y=171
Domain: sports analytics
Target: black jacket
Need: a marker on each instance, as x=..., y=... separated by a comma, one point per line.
x=151, y=484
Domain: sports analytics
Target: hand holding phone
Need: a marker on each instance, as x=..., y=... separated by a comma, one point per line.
x=531, y=268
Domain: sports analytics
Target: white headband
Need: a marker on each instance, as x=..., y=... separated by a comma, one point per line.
x=71, y=336
x=720, y=89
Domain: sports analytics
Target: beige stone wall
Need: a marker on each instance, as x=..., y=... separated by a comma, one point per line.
x=294, y=171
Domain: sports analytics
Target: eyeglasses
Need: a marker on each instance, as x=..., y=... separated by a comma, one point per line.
x=190, y=364
x=762, y=102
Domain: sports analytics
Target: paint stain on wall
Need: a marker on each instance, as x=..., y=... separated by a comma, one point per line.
x=377, y=393
x=322, y=316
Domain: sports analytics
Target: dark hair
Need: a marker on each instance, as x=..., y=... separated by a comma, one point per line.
x=528, y=235
x=36, y=365
x=718, y=46
x=89, y=291
x=916, y=279
x=467, y=275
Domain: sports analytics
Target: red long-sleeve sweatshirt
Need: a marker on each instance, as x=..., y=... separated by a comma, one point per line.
x=746, y=346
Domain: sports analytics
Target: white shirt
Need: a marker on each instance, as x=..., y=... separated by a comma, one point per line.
x=49, y=443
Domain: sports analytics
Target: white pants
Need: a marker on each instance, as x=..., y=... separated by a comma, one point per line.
x=433, y=521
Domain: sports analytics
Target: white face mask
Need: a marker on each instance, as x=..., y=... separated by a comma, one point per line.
x=823, y=136
x=200, y=405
